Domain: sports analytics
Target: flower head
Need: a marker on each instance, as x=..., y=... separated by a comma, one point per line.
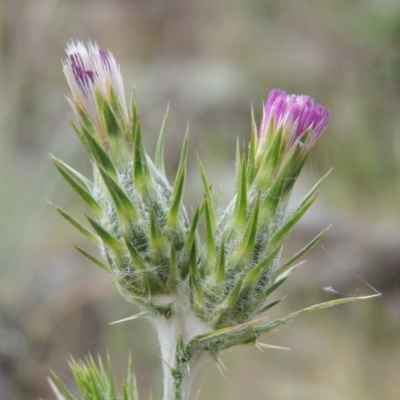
x=294, y=114
x=90, y=69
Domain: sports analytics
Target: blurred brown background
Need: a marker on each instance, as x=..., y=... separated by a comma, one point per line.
x=210, y=59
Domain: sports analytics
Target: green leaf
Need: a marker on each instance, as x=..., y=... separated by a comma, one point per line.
x=210, y=232
x=208, y=196
x=228, y=304
x=77, y=182
x=190, y=239
x=112, y=242
x=284, y=230
x=141, y=173
x=243, y=253
x=158, y=245
x=321, y=306
x=220, y=266
x=268, y=306
x=138, y=261
x=99, y=154
x=127, y=212
x=111, y=125
x=134, y=117
x=279, y=281
x=277, y=189
x=197, y=294
x=173, y=279
x=66, y=394
x=94, y=382
x=240, y=211
x=238, y=166
x=81, y=228
x=286, y=265
x=209, y=217
x=116, y=106
x=95, y=260
x=270, y=152
x=253, y=307
x=251, y=158
x=177, y=194
x=159, y=156
x=112, y=394
x=80, y=135
x=252, y=278
x=85, y=120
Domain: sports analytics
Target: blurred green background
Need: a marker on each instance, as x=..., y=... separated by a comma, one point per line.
x=210, y=59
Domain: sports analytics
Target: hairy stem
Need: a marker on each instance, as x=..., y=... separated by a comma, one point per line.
x=174, y=332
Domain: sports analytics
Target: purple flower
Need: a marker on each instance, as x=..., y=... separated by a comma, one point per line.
x=88, y=69
x=294, y=114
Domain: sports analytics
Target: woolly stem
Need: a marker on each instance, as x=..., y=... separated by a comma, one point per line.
x=174, y=332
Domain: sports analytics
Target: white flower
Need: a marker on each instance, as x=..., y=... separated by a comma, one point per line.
x=87, y=70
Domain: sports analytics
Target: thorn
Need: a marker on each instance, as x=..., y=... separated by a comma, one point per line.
x=172, y=370
x=270, y=346
x=222, y=364
x=220, y=369
x=136, y=316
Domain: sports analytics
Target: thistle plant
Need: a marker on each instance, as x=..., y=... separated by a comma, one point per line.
x=202, y=293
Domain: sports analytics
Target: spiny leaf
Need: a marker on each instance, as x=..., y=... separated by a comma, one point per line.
x=271, y=152
x=134, y=117
x=112, y=394
x=240, y=211
x=220, y=265
x=141, y=173
x=158, y=245
x=75, y=181
x=116, y=106
x=209, y=216
x=314, y=188
x=75, y=175
x=173, y=270
x=277, y=189
x=283, y=231
x=238, y=166
x=228, y=303
x=172, y=217
x=251, y=158
x=245, y=249
x=81, y=137
x=138, y=261
x=125, y=208
x=210, y=237
x=111, y=125
x=279, y=281
x=81, y=228
x=99, y=154
x=95, y=260
x=159, y=156
x=197, y=293
x=112, y=242
x=252, y=278
x=190, y=239
x=85, y=119
x=268, y=306
x=65, y=392
x=208, y=196
x=253, y=307
x=274, y=324
x=293, y=259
